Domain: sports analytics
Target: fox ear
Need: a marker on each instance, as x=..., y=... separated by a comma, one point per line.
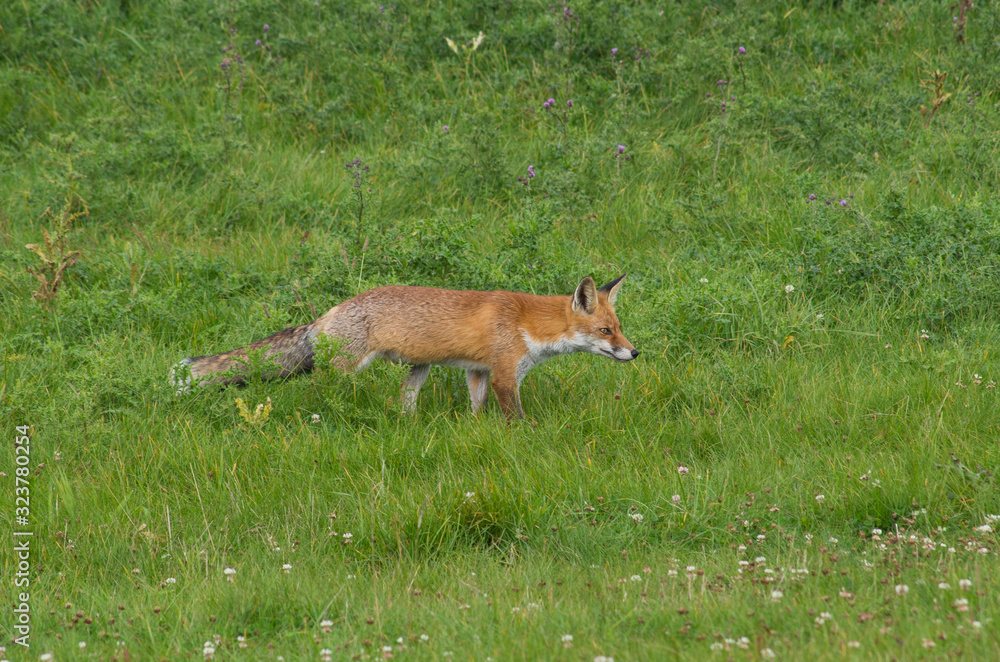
x=585, y=297
x=611, y=289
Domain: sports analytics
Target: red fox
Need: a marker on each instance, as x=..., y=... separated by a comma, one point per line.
x=503, y=334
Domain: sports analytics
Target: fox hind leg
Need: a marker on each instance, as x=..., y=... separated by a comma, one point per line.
x=411, y=385
x=478, y=381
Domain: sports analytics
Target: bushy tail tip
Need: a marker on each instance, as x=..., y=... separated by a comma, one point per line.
x=180, y=376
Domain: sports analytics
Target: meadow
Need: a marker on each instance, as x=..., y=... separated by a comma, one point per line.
x=802, y=463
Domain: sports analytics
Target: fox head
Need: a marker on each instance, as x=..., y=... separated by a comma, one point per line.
x=597, y=328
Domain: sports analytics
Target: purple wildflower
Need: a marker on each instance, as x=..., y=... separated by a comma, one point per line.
x=266, y=27
x=722, y=82
x=258, y=42
x=843, y=203
x=743, y=51
x=531, y=171
x=569, y=103
x=614, y=51
x=445, y=128
x=812, y=196
x=621, y=149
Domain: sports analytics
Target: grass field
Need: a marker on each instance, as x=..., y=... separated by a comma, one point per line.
x=802, y=464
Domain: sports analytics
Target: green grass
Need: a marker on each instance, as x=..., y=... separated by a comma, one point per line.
x=220, y=210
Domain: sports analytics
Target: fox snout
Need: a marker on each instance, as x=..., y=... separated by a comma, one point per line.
x=624, y=353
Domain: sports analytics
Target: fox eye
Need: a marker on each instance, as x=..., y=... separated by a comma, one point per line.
x=606, y=331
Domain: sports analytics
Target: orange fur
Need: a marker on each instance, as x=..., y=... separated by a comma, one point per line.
x=499, y=333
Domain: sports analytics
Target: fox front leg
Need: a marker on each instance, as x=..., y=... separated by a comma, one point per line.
x=506, y=388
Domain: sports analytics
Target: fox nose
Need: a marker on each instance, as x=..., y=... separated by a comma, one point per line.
x=635, y=353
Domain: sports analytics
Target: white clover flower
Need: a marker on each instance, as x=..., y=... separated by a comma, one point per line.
x=230, y=574
x=767, y=654
x=854, y=644
x=82, y=645
x=702, y=280
x=636, y=517
x=424, y=638
x=315, y=418
x=682, y=470
x=777, y=595
x=902, y=589
x=985, y=528
x=676, y=499
x=820, y=498
x=964, y=584
x=944, y=586
x=789, y=289
x=287, y=567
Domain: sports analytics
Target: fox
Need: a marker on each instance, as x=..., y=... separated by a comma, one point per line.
x=496, y=336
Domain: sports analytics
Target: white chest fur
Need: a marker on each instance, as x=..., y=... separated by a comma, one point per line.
x=539, y=351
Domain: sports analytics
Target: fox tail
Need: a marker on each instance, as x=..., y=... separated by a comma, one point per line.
x=286, y=353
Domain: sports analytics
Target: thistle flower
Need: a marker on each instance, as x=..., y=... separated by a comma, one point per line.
x=742, y=51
